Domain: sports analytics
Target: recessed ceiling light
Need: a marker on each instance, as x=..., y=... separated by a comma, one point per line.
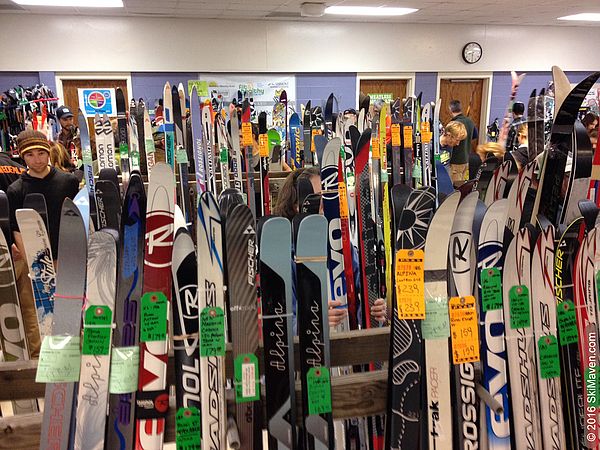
x=368, y=11
x=592, y=17
x=73, y=3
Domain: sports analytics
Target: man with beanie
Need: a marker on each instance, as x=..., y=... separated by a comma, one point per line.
x=55, y=186
x=512, y=142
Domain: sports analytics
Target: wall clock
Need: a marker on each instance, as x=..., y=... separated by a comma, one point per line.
x=472, y=52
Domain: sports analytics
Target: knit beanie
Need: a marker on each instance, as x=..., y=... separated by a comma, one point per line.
x=28, y=140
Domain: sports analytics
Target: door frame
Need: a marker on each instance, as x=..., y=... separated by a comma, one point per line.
x=60, y=76
x=486, y=94
x=408, y=76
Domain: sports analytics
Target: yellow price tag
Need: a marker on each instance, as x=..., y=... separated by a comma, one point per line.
x=464, y=331
x=263, y=145
x=425, y=127
x=396, y=135
x=343, y=200
x=247, y=134
x=410, y=284
x=408, y=137
x=426, y=136
x=375, y=146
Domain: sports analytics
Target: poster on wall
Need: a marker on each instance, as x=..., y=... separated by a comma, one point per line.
x=97, y=100
x=262, y=90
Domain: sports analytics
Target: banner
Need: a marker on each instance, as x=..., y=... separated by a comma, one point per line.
x=262, y=90
x=97, y=100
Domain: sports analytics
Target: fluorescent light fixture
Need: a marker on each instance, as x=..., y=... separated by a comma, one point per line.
x=368, y=11
x=73, y=3
x=591, y=17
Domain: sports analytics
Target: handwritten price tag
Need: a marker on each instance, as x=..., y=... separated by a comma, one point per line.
x=263, y=145
x=410, y=284
x=408, y=137
x=343, y=200
x=567, y=323
x=153, y=317
x=247, y=134
x=375, y=147
x=124, y=368
x=60, y=360
x=319, y=390
x=187, y=428
x=97, y=330
x=395, y=129
x=491, y=289
x=464, y=331
x=212, y=332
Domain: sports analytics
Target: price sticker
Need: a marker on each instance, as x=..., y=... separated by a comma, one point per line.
x=224, y=155
x=153, y=317
x=426, y=137
x=319, y=390
x=247, y=388
x=548, y=357
x=124, y=368
x=408, y=136
x=60, y=360
x=314, y=132
x=464, y=331
x=187, y=428
x=97, y=330
x=410, y=284
x=491, y=289
x=212, y=332
x=520, y=314
x=567, y=323
x=395, y=129
x=263, y=146
x=425, y=127
x=375, y=147
x=247, y=134
x=343, y=200
x=436, y=324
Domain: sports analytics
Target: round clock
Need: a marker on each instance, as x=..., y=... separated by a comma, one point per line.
x=472, y=52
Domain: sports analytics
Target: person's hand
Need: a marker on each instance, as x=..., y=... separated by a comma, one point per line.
x=379, y=310
x=335, y=314
x=16, y=254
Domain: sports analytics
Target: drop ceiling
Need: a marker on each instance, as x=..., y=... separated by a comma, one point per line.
x=505, y=12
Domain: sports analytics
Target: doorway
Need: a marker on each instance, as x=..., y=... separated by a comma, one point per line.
x=385, y=89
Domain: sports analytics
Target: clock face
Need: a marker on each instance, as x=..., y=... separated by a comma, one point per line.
x=472, y=52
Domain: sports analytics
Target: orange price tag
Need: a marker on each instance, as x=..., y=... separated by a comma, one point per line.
x=410, y=284
x=343, y=200
x=426, y=136
x=263, y=146
x=464, y=331
x=408, y=137
x=396, y=135
x=313, y=133
x=424, y=127
x=247, y=134
x=375, y=146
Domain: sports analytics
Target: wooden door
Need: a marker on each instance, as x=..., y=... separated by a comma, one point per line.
x=397, y=88
x=71, y=97
x=470, y=94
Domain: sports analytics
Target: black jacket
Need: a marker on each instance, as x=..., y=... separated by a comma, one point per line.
x=10, y=171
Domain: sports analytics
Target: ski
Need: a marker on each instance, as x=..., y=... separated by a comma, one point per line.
x=122, y=136
x=169, y=125
x=92, y=397
x=198, y=139
x=247, y=142
x=68, y=300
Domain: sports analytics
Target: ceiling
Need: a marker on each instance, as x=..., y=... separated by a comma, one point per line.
x=506, y=12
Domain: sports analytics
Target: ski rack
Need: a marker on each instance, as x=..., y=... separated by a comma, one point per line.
x=354, y=395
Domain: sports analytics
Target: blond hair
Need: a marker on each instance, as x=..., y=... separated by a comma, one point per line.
x=59, y=157
x=456, y=130
x=490, y=147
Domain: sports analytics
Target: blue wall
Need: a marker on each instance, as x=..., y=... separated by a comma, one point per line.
x=317, y=87
x=149, y=86
x=26, y=79
x=426, y=82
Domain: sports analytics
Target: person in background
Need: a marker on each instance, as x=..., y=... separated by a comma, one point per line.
x=287, y=206
x=590, y=121
x=521, y=154
x=453, y=133
x=10, y=170
x=518, y=110
x=459, y=161
x=594, y=138
x=59, y=157
x=69, y=134
x=489, y=149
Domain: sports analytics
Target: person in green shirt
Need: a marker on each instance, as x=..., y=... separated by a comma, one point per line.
x=459, y=161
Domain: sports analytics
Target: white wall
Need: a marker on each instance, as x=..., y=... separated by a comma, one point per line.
x=85, y=43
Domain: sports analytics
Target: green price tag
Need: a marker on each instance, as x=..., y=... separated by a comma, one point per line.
x=245, y=368
x=60, y=360
x=437, y=323
x=491, y=289
x=212, y=332
x=567, y=323
x=520, y=314
x=319, y=390
x=548, y=354
x=97, y=330
x=591, y=383
x=187, y=429
x=153, y=317
x=182, y=156
x=124, y=150
x=124, y=368
x=224, y=155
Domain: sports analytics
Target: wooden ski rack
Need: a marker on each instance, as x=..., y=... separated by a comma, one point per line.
x=354, y=395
